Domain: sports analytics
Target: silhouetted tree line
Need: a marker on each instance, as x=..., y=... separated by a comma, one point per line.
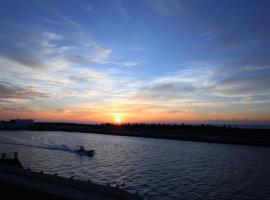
x=196, y=132
x=166, y=126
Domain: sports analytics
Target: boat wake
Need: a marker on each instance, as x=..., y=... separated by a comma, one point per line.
x=21, y=142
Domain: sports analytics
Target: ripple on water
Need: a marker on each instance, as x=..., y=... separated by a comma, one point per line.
x=158, y=169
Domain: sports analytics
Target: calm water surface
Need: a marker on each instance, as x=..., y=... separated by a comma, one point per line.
x=158, y=169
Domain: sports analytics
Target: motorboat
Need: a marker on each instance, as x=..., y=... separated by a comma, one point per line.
x=84, y=152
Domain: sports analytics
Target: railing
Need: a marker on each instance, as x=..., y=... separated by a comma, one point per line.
x=9, y=156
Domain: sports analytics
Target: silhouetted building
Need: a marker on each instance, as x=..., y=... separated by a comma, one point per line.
x=18, y=123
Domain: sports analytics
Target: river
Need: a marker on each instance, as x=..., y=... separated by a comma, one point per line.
x=158, y=169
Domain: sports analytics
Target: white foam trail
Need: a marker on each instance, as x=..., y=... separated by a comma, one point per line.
x=4, y=139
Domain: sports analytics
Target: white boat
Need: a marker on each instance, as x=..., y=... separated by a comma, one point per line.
x=82, y=151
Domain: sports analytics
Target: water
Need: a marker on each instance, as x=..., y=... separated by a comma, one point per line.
x=158, y=169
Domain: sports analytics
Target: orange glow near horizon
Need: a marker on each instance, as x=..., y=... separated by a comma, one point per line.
x=142, y=116
x=118, y=120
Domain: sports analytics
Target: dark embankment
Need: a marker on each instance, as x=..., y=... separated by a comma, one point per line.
x=17, y=182
x=13, y=191
x=205, y=133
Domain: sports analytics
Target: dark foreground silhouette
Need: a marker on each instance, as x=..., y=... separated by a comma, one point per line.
x=16, y=182
x=204, y=132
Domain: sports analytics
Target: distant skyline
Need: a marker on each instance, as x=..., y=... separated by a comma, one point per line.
x=120, y=61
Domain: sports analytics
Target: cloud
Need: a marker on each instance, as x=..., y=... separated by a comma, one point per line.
x=258, y=99
x=244, y=87
x=42, y=49
x=100, y=56
x=22, y=47
x=242, y=81
x=10, y=91
x=121, y=9
x=89, y=8
x=87, y=75
x=36, y=50
x=124, y=63
x=216, y=85
x=17, y=109
x=168, y=90
x=67, y=20
x=52, y=36
x=92, y=50
x=166, y=7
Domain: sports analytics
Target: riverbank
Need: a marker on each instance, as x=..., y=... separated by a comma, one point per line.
x=17, y=182
x=204, y=133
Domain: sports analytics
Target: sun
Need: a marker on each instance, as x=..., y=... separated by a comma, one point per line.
x=117, y=120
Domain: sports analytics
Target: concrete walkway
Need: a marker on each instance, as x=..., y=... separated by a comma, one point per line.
x=62, y=187
x=53, y=188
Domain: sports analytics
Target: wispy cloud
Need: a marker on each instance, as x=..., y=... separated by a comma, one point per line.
x=92, y=50
x=9, y=91
x=67, y=20
x=89, y=8
x=166, y=7
x=199, y=83
x=121, y=9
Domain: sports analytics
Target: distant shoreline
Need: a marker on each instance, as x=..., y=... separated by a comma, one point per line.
x=201, y=133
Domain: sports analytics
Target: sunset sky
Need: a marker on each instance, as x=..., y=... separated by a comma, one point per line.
x=135, y=61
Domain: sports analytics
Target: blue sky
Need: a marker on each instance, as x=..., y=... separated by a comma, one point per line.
x=145, y=60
